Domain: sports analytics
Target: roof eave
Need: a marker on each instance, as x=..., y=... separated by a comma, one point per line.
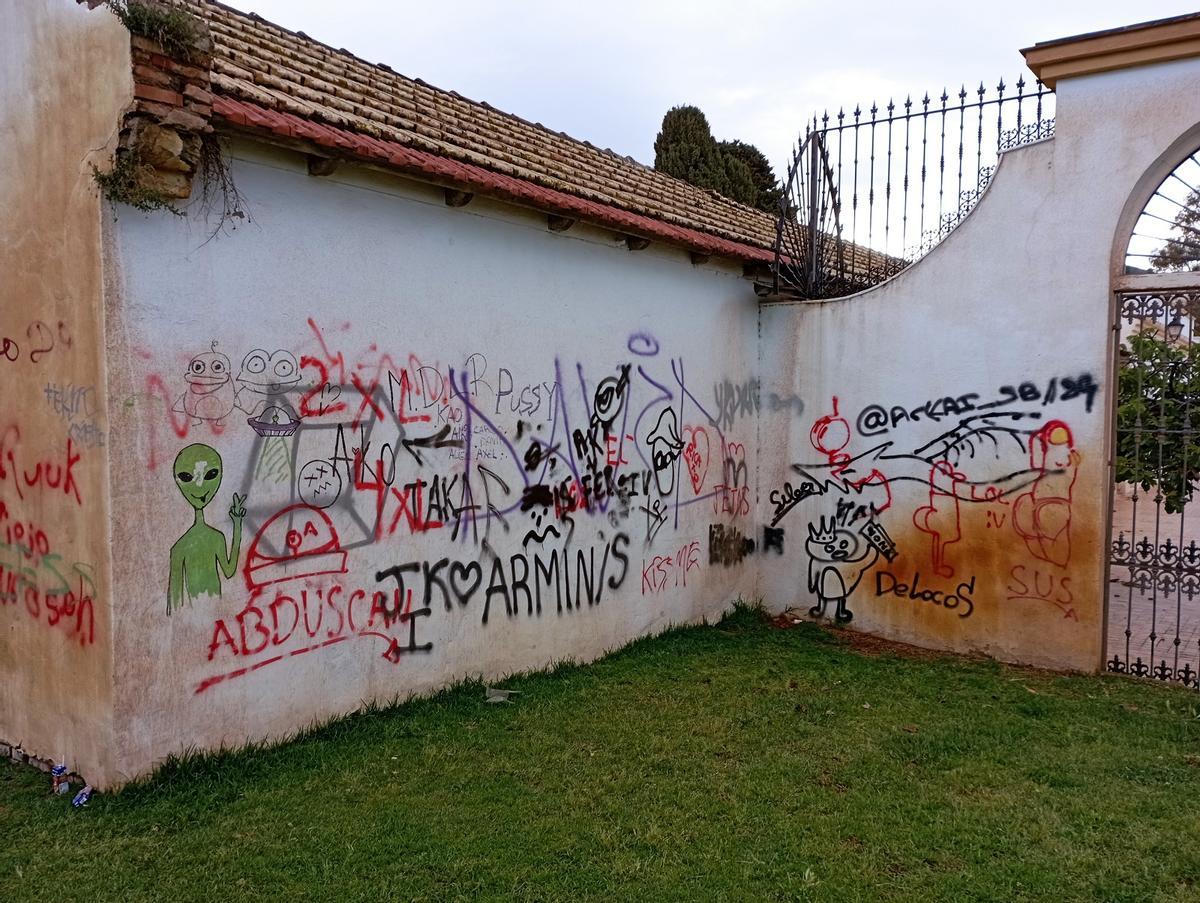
x=298, y=133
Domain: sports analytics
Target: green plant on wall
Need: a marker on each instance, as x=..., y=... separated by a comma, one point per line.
x=1158, y=417
x=163, y=23
x=199, y=557
x=130, y=181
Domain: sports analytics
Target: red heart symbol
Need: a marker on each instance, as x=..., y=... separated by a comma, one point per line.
x=695, y=454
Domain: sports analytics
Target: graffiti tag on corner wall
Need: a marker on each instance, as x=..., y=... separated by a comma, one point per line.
x=546, y=490
x=44, y=453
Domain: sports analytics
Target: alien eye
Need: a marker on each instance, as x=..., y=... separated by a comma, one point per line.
x=211, y=474
x=256, y=364
x=218, y=366
x=184, y=476
x=828, y=548
x=283, y=368
x=197, y=366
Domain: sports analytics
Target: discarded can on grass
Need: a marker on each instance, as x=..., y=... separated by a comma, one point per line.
x=82, y=797
x=58, y=778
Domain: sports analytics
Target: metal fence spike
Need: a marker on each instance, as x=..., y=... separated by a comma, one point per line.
x=855, y=186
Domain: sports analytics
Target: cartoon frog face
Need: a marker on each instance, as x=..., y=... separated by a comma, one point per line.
x=269, y=374
x=198, y=474
x=208, y=371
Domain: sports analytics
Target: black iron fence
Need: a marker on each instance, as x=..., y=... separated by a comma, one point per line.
x=870, y=191
x=1154, y=556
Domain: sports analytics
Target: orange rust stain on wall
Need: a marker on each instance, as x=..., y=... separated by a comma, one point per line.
x=991, y=592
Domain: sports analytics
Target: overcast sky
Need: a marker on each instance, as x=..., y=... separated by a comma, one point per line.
x=606, y=72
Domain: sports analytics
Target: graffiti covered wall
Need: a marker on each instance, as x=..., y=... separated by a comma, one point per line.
x=364, y=444
x=948, y=482
x=370, y=444
x=55, y=626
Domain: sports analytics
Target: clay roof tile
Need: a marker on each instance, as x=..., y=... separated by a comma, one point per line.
x=268, y=66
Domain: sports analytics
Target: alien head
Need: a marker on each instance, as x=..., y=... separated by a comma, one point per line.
x=198, y=474
x=208, y=371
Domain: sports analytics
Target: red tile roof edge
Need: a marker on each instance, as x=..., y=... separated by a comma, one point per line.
x=477, y=179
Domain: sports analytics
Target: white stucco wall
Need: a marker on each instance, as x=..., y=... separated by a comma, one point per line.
x=367, y=278
x=1019, y=295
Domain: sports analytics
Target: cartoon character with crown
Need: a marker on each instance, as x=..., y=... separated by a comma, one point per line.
x=838, y=558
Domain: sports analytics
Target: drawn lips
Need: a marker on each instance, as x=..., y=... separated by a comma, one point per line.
x=541, y=537
x=205, y=385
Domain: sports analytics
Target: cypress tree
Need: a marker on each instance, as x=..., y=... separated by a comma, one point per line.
x=767, y=191
x=685, y=148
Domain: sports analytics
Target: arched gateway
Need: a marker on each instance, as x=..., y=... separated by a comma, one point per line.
x=1153, y=624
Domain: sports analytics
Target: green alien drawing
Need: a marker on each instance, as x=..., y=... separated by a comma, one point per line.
x=199, y=556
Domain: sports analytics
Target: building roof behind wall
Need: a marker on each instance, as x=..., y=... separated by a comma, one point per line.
x=270, y=79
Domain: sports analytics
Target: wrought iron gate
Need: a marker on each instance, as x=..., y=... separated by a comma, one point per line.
x=1154, y=562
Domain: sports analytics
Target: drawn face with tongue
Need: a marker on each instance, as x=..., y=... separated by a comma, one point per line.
x=264, y=377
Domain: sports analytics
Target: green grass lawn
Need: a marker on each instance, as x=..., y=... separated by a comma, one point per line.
x=736, y=762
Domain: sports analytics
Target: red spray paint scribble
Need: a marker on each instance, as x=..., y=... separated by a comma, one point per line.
x=732, y=497
x=380, y=377
x=311, y=543
x=941, y=518
x=1042, y=516
x=320, y=389
x=696, y=452
x=409, y=498
x=56, y=474
x=179, y=421
x=659, y=571
x=70, y=609
x=261, y=626
x=830, y=435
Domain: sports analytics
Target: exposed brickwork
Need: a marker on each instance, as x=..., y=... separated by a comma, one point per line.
x=171, y=111
x=163, y=95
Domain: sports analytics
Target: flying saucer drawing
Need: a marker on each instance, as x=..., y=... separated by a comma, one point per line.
x=273, y=421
